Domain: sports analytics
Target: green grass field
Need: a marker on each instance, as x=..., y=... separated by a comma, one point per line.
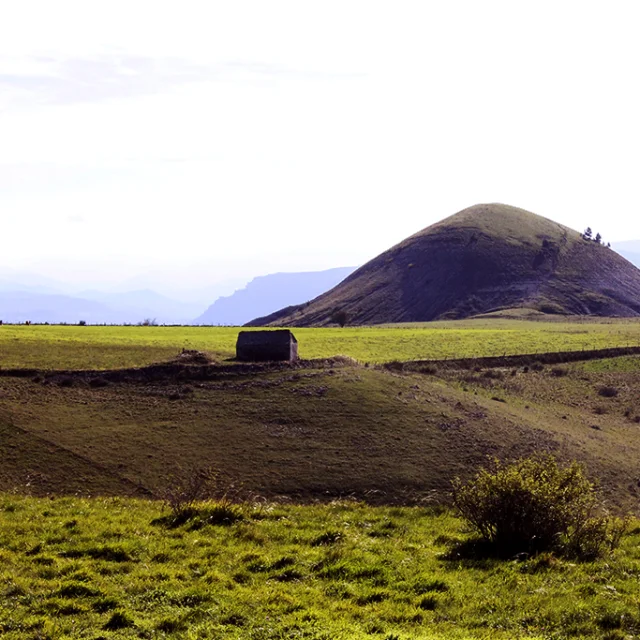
x=111, y=568
x=73, y=347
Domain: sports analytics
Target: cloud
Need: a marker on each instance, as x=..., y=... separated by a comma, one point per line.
x=42, y=80
x=75, y=219
x=97, y=79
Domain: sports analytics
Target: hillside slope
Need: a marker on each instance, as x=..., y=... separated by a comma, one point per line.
x=266, y=294
x=482, y=259
x=325, y=430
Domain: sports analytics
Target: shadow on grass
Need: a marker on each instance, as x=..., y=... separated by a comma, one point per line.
x=193, y=519
x=104, y=552
x=479, y=554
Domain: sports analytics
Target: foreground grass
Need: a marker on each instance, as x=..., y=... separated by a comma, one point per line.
x=113, y=568
x=73, y=347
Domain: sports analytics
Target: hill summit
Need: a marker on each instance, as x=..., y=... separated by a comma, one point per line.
x=489, y=257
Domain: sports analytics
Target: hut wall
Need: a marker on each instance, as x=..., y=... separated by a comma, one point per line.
x=265, y=346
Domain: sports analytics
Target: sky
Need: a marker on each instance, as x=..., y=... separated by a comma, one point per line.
x=202, y=142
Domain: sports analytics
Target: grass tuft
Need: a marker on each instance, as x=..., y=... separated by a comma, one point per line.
x=118, y=620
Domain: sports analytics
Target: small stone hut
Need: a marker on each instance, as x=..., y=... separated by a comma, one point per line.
x=265, y=346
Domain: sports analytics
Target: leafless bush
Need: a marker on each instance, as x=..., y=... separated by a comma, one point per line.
x=185, y=489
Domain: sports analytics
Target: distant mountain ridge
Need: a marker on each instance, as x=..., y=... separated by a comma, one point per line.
x=630, y=250
x=22, y=306
x=145, y=304
x=19, y=304
x=266, y=294
x=483, y=259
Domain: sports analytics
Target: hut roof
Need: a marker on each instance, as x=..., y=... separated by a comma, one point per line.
x=278, y=336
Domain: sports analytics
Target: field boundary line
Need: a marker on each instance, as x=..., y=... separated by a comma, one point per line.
x=519, y=360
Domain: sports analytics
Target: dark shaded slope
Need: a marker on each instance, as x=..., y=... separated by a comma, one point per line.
x=482, y=259
x=312, y=433
x=43, y=466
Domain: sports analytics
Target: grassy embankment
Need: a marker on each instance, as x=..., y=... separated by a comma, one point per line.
x=73, y=347
x=110, y=568
x=320, y=432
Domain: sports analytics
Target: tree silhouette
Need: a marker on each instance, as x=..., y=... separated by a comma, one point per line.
x=340, y=316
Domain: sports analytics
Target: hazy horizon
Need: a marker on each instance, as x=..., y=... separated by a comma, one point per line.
x=205, y=144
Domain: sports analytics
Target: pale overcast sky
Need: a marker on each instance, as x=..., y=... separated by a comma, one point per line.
x=214, y=140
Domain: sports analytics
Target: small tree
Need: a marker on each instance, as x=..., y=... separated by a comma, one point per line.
x=340, y=316
x=587, y=233
x=598, y=238
x=82, y=323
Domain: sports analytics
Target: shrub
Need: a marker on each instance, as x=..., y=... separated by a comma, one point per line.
x=535, y=505
x=608, y=392
x=185, y=489
x=82, y=323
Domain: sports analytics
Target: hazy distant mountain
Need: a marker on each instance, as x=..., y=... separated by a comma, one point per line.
x=10, y=285
x=20, y=306
x=12, y=280
x=30, y=296
x=266, y=294
x=181, y=290
x=633, y=258
x=94, y=307
x=630, y=249
x=134, y=306
x=153, y=290
x=27, y=296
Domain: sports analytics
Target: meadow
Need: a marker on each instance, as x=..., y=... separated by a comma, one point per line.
x=109, y=347
x=290, y=561
x=118, y=568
